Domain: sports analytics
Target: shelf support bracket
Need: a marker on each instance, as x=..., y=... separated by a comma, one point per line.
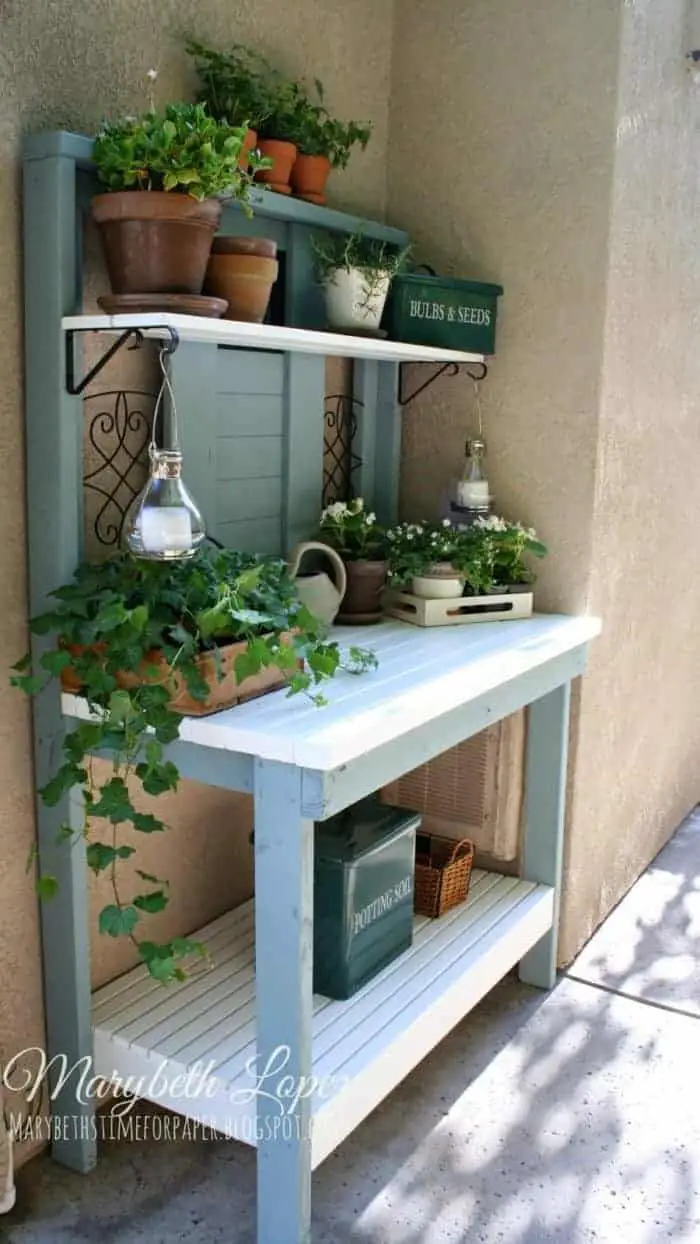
x=447, y=369
x=76, y=387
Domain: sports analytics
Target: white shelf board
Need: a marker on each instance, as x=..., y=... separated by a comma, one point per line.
x=267, y=337
x=362, y=1048
x=423, y=673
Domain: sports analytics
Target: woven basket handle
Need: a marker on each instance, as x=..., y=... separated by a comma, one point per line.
x=464, y=846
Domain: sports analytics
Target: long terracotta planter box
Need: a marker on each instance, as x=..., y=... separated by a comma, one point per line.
x=222, y=694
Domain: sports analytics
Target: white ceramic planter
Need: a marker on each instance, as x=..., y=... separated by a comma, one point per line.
x=352, y=302
x=441, y=582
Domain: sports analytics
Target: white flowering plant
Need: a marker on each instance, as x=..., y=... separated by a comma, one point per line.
x=353, y=531
x=488, y=554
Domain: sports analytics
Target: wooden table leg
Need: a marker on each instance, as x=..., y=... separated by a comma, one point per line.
x=545, y=797
x=283, y=956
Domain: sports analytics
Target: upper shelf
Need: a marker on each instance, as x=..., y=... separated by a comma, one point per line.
x=267, y=337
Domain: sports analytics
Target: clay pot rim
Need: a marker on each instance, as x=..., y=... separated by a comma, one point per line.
x=277, y=142
x=370, y=563
x=157, y=205
x=237, y=245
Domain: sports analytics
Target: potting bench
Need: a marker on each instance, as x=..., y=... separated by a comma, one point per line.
x=253, y=1014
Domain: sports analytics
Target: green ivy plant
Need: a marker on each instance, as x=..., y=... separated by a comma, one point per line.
x=490, y=554
x=113, y=619
x=182, y=149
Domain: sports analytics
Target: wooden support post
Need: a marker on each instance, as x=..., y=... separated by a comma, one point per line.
x=54, y=495
x=283, y=969
x=545, y=796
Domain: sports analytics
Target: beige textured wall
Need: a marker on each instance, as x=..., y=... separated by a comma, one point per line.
x=535, y=174
x=639, y=743
x=65, y=64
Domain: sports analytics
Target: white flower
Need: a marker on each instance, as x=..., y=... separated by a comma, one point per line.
x=371, y=518
x=337, y=510
x=358, y=505
x=446, y=522
x=152, y=74
x=409, y=535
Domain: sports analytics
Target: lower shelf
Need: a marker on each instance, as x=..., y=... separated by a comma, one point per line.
x=191, y=1047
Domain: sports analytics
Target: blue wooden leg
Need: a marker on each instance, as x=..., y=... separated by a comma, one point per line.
x=283, y=957
x=545, y=795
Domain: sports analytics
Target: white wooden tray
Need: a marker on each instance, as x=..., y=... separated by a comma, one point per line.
x=460, y=609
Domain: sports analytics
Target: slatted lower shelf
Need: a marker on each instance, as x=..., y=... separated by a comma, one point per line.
x=192, y=1047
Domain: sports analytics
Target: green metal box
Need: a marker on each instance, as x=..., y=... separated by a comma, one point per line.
x=363, y=894
x=442, y=311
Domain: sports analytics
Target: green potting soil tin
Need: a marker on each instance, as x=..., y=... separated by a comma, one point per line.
x=443, y=311
x=363, y=894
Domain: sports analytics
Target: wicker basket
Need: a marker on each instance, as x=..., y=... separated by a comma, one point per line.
x=443, y=869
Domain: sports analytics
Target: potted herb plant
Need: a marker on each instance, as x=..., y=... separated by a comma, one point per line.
x=322, y=143
x=162, y=172
x=233, y=85
x=355, y=272
x=355, y=534
x=144, y=642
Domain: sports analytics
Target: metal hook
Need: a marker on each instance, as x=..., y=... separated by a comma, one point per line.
x=447, y=369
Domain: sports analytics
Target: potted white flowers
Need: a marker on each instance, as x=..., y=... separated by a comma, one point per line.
x=362, y=544
x=355, y=272
x=439, y=561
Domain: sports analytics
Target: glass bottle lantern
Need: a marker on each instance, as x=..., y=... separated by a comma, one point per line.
x=473, y=487
x=166, y=523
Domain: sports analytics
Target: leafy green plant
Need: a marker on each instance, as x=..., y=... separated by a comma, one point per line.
x=356, y=250
x=490, y=553
x=353, y=531
x=234, y=84
x=114, y=619
x=316, y=132
x=182, y=149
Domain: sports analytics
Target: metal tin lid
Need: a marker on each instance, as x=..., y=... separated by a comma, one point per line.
x=467, y=287
x=474, y=445
x=362, y=828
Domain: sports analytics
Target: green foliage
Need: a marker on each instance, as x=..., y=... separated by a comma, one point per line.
x=353, y=531
x=491, y=553
x=112, y=620
x=183, y=148
x=354, y=251
x=241, y=87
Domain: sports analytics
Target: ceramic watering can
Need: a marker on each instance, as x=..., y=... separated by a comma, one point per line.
x=321, y=594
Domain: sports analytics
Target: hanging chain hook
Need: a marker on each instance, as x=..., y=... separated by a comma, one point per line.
x=167, y=349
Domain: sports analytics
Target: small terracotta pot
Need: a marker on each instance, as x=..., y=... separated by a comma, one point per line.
x=309, y=176
x=283, y=156
x=244, y=246
x=249, y=144
x=156, y=242
x=361, y=603
x=245, y=281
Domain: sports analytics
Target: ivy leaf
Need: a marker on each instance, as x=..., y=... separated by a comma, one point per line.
x=55, y=660
x=114, y=802
x=139, y=617
x=181, y=947
x=156, y=779
x=30, y=684
x=120, y=707
x=151, y=903
x=100, y=856
x=68, y=776
x=146, y=823
x=46, y=887
x=149, y=877
x=247, y=664
x=117, y=921
x=24, y=663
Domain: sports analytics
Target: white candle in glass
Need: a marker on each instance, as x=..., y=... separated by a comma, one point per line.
x=166, y=528
x=473, y=492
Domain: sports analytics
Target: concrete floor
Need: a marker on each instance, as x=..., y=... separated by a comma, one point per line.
x=568, y=1117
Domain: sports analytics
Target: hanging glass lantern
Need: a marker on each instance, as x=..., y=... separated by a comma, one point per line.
x=473, y=487
x=165, y=522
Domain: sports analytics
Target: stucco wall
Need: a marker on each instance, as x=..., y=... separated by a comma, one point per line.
x=65, y=64
x=637, y=771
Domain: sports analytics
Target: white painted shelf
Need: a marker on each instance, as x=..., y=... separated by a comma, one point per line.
x=422, y=674
x=267, y=337
x=362, y=1048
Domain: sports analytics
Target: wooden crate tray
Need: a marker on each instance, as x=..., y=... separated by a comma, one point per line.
x=459, y=609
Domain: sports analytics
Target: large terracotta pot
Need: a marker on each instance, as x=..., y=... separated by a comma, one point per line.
x=283, y=156
x=362, y=602
x=156, y=242
x=245, y=281
x=309, y=176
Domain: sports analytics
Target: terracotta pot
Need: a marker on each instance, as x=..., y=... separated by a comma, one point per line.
x=245, y=281
x=70, y=681
x=283, y=156
x=362, y=600
x=266, y=247
x=156, y=243
x=249, y=144
x=309, y=176
x=222, y=694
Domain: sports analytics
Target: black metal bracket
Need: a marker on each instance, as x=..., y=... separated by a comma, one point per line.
x=447, y=369
x=75, y=388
